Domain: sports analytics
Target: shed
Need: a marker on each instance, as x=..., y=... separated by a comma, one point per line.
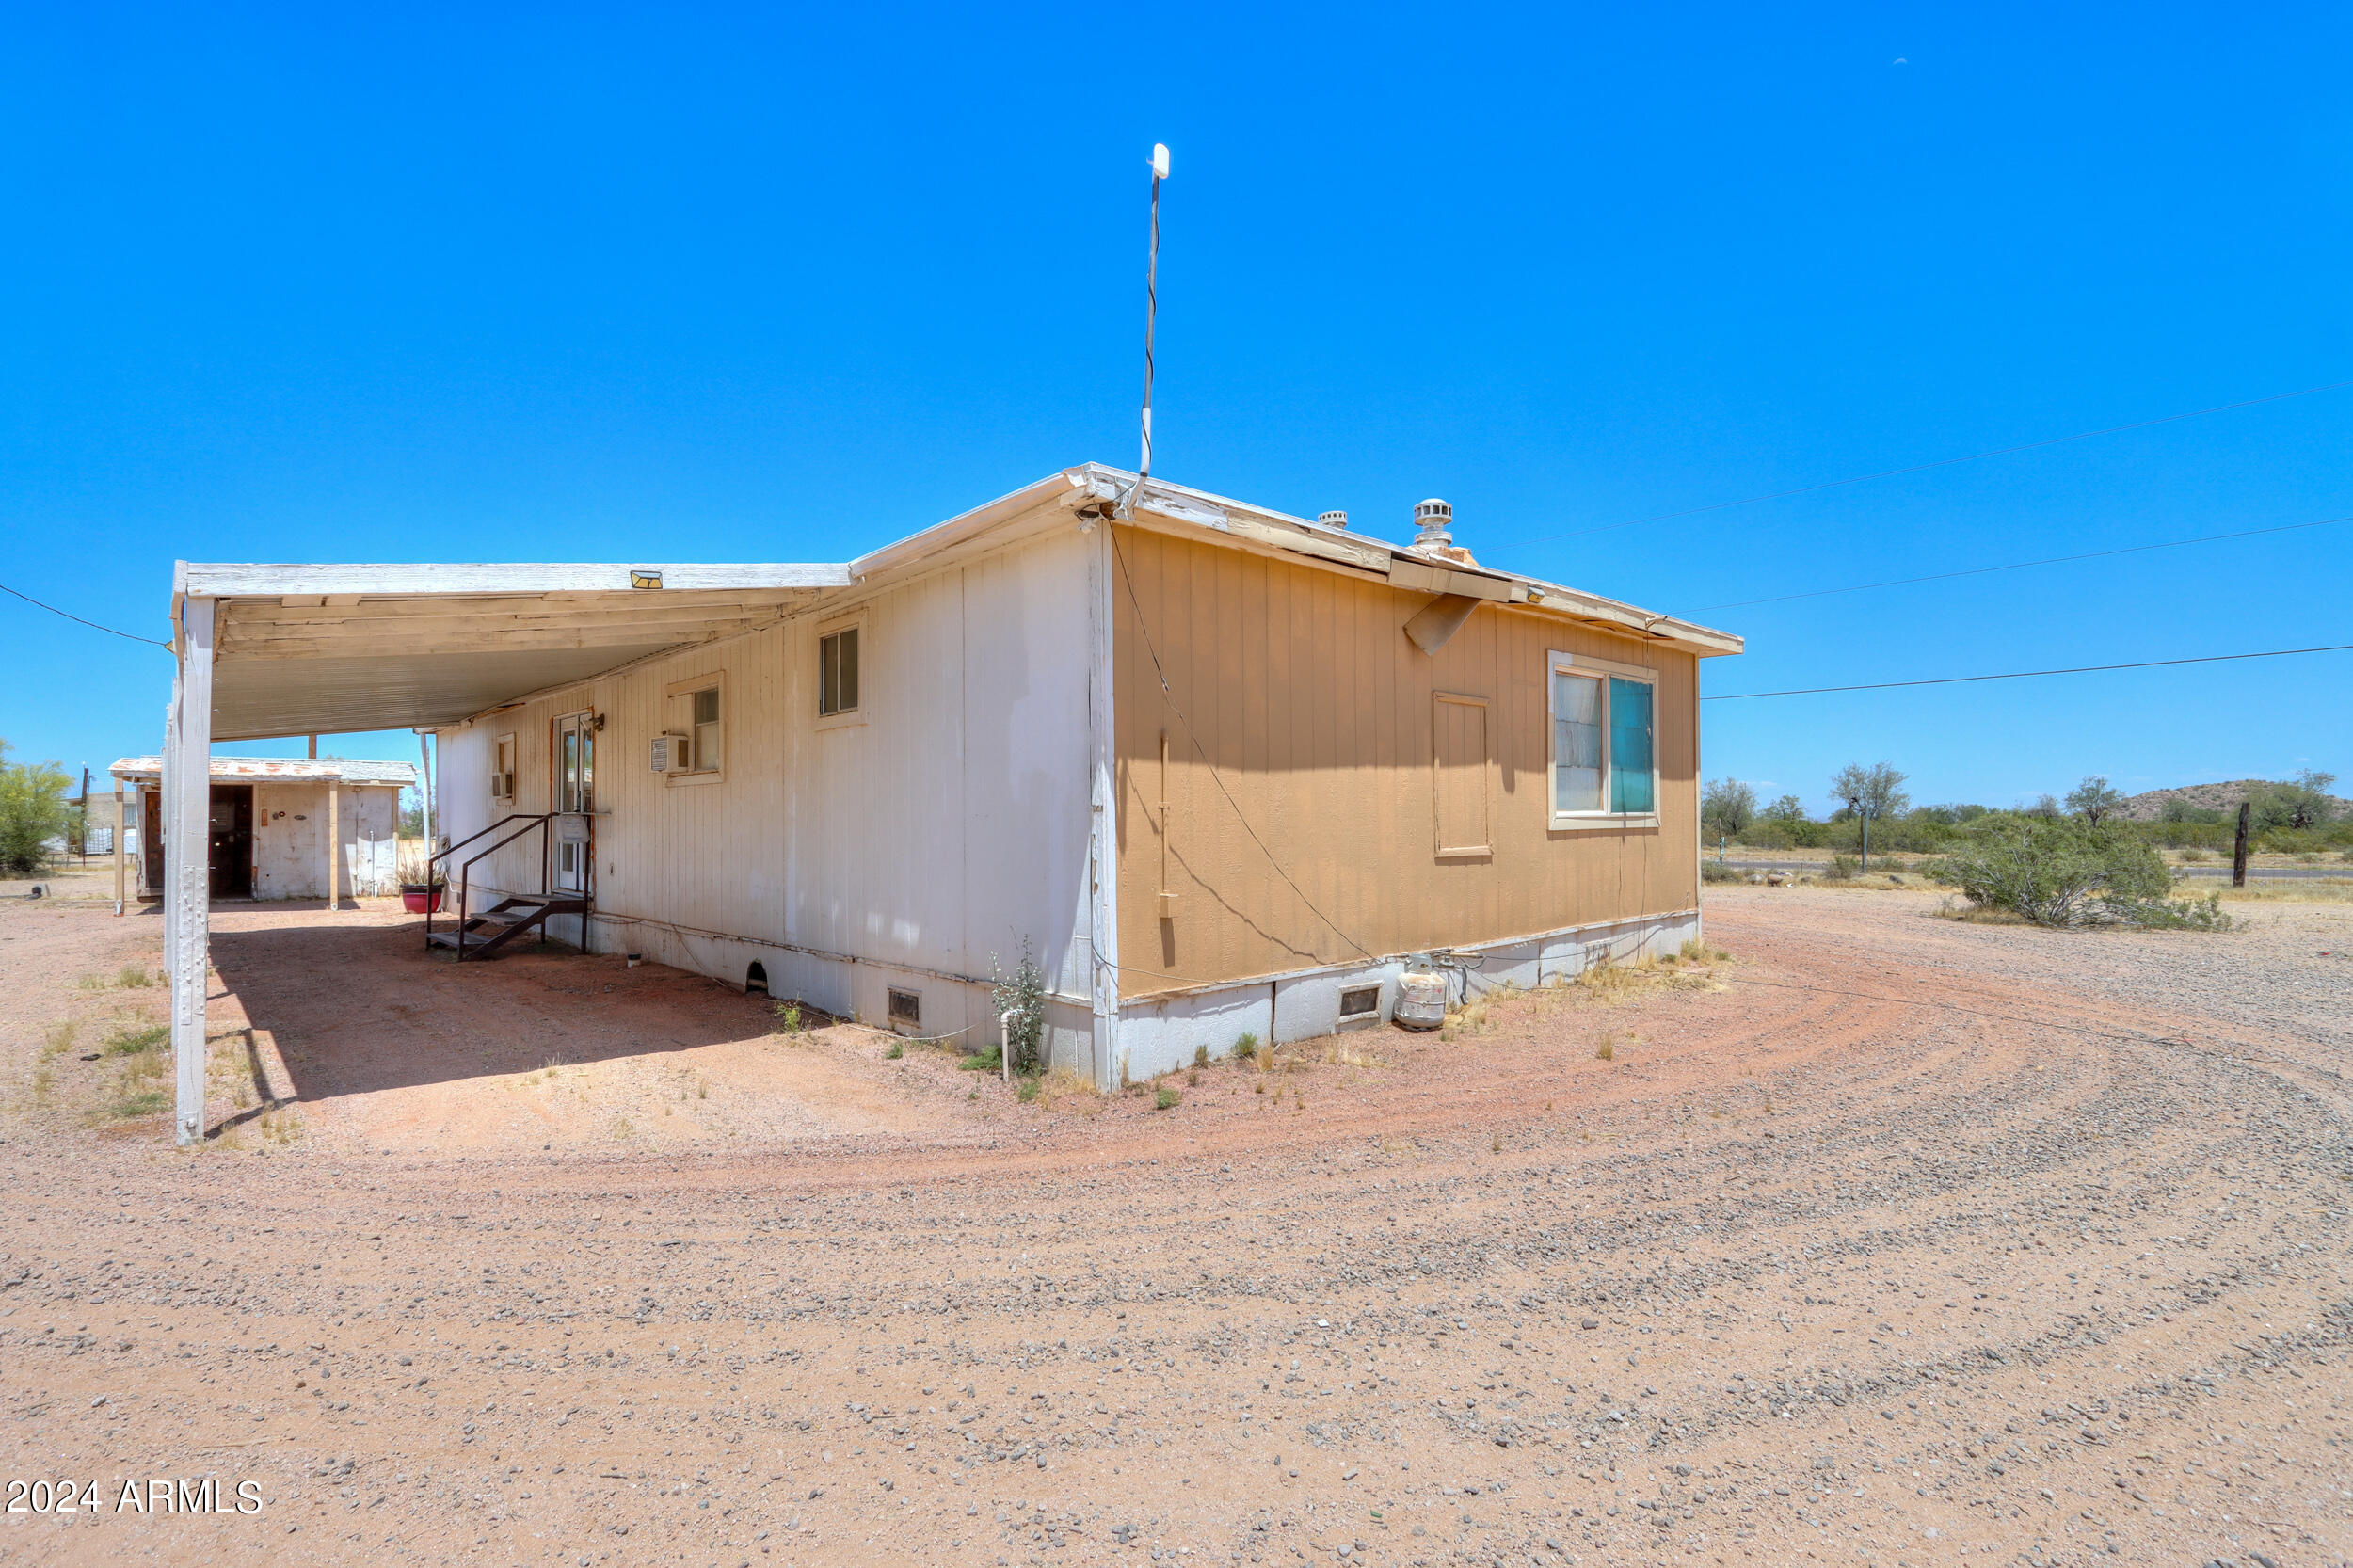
x=1221, y=770
x=269, y=825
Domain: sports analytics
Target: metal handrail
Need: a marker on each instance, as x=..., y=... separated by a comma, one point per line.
x=465, y=873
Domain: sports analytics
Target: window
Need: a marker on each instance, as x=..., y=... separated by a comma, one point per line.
x=503, y=768
x=837, y=672
x=1459, y=733
x=698, y=711
x=706, y=731
x=1604, y=754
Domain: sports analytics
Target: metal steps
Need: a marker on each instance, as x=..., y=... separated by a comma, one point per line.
x=483, y=935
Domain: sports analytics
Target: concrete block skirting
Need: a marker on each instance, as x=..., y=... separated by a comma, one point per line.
x=1162, y=1034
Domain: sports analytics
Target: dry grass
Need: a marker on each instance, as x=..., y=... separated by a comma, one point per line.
x=2302, y=889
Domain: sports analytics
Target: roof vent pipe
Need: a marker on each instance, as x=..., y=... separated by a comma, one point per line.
x=1434, y=525
x=1333, y=520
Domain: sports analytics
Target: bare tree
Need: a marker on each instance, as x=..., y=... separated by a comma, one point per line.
x=2095, y=798
x=1728, y=806
x=1875, y=791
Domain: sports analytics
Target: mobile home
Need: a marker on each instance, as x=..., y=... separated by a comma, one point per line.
x=1223, y=770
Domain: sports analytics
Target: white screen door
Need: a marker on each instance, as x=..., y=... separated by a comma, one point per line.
x=576, y=797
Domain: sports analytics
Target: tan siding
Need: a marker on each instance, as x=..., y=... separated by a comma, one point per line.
x=1320, y=716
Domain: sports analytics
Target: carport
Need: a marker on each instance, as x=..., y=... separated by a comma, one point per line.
x=263, y=652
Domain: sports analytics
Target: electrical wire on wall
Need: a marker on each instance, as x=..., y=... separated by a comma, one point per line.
x=1144, y=631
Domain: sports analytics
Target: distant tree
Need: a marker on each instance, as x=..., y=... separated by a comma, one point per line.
x=33, y=812
x=2045, y=807
x=1787, y=809
x=2303, y=804
x=1727, y=806
x=2095, y=798
x=1875, y=791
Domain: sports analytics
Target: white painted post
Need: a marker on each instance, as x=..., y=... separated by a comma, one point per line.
x=1103, y=800
x=335, y=837
x=187, y=861
x=119, y=894
x=168, y=778
x=425, y=789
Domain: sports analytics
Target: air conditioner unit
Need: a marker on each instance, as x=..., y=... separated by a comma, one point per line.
x=672, y=753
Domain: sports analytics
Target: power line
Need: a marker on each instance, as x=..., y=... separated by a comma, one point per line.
x=91, y=624
x=2021, y=566
x=1145, y=631
x=1922, y=467
x=2026, y=674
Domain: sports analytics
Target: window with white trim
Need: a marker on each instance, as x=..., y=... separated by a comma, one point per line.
x=1604, y=741
x=503, y=767
x=699, y=711
x=836, y=672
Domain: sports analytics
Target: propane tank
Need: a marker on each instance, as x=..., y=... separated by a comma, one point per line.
x=1421, y=992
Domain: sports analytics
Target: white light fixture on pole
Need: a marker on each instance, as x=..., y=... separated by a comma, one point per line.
x=1151, y=313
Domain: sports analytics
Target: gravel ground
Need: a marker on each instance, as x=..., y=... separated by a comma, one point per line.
x=1891, y=1238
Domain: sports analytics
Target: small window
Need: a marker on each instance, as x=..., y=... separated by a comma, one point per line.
x=906, y=1008
x=837, y=672
x=698, y=715
x=707, y=730
x=1360, y=1001
x=503, y=768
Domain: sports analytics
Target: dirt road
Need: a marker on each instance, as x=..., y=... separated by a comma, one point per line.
x=1890, y=1239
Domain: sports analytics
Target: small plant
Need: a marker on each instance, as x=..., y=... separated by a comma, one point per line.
x=1716, y=870
x=90, y=982
x=898, y=1048
x=1027, y=1094
x=1608, y=1050
x=59, y=1038
x=1167, y=1099
x=1494, y=1142
x=1021, y=994
x=1193, y=1077
x=787, y=1018
x=1842, y=869
x=1246, y=1047
x=1200, y=1058
x=702, y=1091
x=1695, y=951
x=2194, y=856
x=1260, y=1087
x=129, y=1041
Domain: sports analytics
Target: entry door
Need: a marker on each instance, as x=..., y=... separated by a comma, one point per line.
x=576, y=797
x=231, y=856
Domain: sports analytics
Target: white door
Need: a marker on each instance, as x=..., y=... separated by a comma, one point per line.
x=576, y=797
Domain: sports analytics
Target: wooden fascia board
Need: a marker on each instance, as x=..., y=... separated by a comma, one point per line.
x=430, y=579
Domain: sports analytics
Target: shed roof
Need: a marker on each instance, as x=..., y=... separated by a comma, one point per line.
x=346, y=770
x=327, y=649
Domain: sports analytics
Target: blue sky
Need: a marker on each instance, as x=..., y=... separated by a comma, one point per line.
x=694, y=284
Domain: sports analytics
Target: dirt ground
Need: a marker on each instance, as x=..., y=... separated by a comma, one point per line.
x=1888, y=1238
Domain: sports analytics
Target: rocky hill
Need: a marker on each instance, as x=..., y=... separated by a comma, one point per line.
x=2149, y=805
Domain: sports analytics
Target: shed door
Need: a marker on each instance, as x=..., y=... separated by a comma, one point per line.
x=1460, y=726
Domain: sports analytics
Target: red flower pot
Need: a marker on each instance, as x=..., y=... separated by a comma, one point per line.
x=419, y=900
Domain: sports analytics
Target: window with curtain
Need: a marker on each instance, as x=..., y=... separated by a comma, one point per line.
x=1576, y=741
x=1604, y=746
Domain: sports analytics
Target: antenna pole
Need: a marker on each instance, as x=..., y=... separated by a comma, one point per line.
x=1151, y=313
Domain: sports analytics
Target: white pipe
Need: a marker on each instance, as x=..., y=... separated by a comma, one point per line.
x=1004, y=1052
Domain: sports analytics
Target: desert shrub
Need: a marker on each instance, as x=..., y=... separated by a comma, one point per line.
x=1246, y=1046
x=1711, y=871
x=33, y=812
x=1022, y=994
x=2192, y=857
x=1027, y=1094
x=1842, y=869
x=2060, y=871
x=1167, y=1099
x=898, y=1049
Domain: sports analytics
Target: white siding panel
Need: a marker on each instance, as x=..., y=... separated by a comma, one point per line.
x=943, y=828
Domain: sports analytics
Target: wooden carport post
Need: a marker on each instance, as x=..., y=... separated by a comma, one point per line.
x=187, y=802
